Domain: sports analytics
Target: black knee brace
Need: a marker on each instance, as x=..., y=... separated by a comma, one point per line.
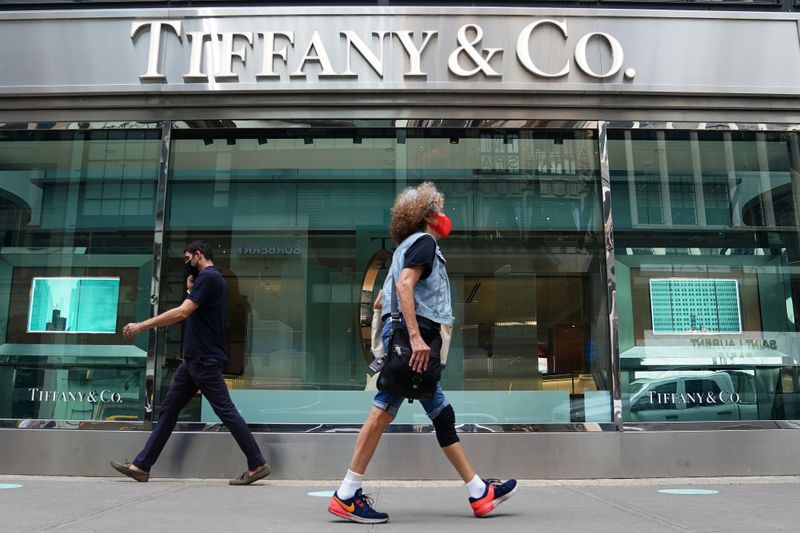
x=445, y=426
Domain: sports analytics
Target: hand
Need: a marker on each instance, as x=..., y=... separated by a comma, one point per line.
x=189, y=282
x=131, y=330
x=420, y=352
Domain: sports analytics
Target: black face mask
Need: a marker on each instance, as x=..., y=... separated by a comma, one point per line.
x=191, y=269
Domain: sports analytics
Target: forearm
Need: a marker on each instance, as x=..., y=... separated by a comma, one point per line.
x=167, y=318
x=405, y=295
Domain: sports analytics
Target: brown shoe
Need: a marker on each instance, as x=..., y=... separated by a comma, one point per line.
x=245, y=479
x=125, y=468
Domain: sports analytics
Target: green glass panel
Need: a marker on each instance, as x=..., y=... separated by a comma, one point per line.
x=298, y=219
x=77, y=214
x=708, y=296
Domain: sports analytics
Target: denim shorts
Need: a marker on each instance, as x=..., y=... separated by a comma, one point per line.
x=391, y=403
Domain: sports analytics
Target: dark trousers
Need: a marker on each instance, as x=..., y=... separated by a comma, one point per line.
x=204, y=374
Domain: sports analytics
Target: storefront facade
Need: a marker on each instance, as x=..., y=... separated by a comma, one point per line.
x=624, y=186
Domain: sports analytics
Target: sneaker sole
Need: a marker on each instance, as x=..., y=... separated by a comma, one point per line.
x=337, y=510
x=488, y=508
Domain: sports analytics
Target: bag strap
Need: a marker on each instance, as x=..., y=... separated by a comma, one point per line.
x=395, y=308
x=395, y=317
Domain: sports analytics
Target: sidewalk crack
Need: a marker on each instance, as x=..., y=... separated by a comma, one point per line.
x=636, y=511
x=121, y=505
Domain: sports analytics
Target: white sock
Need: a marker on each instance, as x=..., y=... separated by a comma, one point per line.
x=476, y=487
x=350, y=484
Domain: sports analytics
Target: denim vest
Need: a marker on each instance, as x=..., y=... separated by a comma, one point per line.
x=432, y=294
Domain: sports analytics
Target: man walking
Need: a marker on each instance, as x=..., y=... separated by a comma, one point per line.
x=204, y=355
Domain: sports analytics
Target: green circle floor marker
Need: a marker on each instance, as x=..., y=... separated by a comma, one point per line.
x=691, y=492
x=322, y=493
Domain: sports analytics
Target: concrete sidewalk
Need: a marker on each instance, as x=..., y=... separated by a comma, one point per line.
x=119, y=504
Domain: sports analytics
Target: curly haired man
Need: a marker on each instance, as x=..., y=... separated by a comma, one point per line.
x=419, y=277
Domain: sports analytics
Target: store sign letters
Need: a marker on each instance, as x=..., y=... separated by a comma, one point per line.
x=286, y=52
x=278, y=248
x=694, y=398
x=104, y=396
x=756, y=344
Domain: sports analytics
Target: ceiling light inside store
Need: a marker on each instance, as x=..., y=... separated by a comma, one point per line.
x=509, y=324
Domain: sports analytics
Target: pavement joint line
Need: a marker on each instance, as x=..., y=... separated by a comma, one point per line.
x=372, y=483
x=636, y=511
x=121, y=505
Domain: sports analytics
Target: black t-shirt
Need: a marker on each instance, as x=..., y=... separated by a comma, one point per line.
x=421, y=253
x=205, y=328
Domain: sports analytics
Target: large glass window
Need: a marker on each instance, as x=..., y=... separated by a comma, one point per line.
x=76, y=234
x=298, y=217
x=706, y=236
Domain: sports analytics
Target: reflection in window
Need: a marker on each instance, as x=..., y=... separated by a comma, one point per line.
x=658, y=397
x=76, y=230
x=711, y=287
x=702, y=387
x=296, y=216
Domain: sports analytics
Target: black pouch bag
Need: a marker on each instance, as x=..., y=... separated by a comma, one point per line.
x=398, y=378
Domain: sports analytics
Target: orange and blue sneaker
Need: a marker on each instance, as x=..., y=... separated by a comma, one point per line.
x=357, y=509
x=496, y=493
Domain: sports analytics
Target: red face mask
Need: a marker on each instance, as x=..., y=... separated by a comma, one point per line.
x=444, y=225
